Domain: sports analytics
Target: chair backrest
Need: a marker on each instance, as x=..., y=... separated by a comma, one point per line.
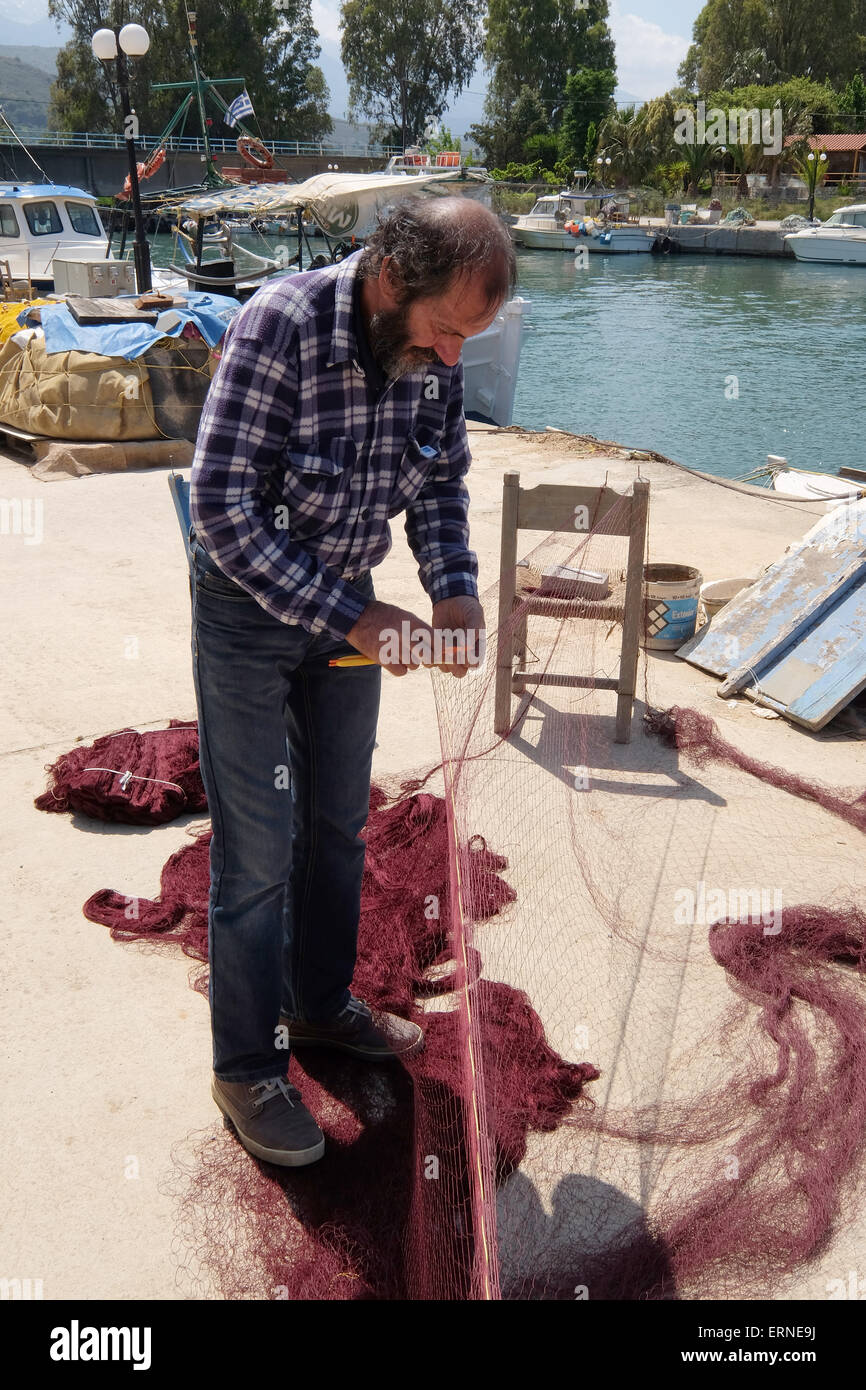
x=576, y=510
x=565, y=507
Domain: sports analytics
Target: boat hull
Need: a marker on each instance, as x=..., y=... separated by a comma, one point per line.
x=816, y=487
x=827, y=248
x=617, y=241
x=540, y=240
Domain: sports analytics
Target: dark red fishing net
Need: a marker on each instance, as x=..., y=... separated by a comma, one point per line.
x=349, y=1234
x=139, y=778
x=640, y=973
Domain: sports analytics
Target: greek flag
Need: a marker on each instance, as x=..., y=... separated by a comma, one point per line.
x=241, y=106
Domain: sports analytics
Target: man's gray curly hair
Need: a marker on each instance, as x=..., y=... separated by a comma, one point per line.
x=432, y=240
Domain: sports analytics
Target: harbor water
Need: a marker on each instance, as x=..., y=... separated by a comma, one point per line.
x=715, y=361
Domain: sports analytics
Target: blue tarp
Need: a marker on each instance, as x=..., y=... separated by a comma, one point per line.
x=211, y=313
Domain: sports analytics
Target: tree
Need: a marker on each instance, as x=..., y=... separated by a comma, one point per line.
x=624, y=138
x=811, y=165
x=538, y=43
x=591, y=146
x=269, y=44
x=801, y=103
x=405, y=59
x=761, y=42
x=504, y=139
x=853, y=99
x=588, y=99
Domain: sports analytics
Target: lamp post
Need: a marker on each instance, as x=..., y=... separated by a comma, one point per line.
x=813, y=173
x=131, y=41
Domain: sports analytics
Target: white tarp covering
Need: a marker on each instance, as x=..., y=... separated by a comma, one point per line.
x=342, y=204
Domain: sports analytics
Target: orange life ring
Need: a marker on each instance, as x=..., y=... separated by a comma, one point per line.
x=144, y=171
x=255, y=152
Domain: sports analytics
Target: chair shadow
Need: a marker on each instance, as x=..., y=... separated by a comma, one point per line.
x=560, y=748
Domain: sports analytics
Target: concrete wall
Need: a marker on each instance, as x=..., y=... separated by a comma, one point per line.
x=729, y=241
x=103, y=171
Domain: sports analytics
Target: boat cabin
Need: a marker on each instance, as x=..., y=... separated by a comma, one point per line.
x=39, y=221
x=854, y=216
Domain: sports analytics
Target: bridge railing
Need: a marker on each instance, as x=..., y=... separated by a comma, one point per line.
x=100, y=140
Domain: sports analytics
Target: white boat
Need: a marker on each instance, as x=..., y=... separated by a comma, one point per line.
x=558, y=222
x=490, y=362
x=39, y=221
x=841, y=240
x=544, y=227
x=813, y=487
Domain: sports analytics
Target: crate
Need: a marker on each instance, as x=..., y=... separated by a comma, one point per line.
x=93, y=279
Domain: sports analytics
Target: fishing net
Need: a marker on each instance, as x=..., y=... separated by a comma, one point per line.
x=639, y=968
x=139, y=778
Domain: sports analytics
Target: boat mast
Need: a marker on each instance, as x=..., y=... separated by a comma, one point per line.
x=211, y=170
x=196, y=90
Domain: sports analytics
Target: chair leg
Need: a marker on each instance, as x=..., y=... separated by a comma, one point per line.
x=624, y=706
x=502, y=692
x=633, y=604
x=519, y=686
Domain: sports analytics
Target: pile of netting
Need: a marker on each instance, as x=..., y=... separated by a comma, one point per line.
x=639, y=968
x=137, y=778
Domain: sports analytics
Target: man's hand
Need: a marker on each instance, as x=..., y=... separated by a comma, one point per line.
x=460, y=627
x=381, y=635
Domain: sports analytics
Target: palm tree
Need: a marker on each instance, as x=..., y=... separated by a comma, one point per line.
x=697, y=159
x=743, y=158
x=624, y=140
x=812, y=168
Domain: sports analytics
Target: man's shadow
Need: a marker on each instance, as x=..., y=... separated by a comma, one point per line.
x=595, y=1245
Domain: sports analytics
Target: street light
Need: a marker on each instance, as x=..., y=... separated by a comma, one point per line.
x=812, y=175
x=132, y=41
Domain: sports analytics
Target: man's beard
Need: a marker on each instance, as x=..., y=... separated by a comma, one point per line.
x=388, y=342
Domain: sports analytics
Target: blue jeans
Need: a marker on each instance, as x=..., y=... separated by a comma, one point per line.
x=286, y=748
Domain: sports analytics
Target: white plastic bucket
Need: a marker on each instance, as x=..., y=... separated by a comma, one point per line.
x=715, y=595
x=671, y=594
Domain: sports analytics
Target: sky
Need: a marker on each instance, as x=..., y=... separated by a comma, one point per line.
x=651, y=40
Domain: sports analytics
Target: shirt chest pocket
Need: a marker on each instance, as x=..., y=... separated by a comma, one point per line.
x=422, y=453
x=317, y=485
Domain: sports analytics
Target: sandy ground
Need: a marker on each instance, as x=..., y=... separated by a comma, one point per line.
x=107, y=1051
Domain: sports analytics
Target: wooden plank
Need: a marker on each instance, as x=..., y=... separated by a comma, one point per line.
x=553, y=507
x=553, y=678
x=796, y=591
x=858, y=475
x=815, y=679
x=96, y=311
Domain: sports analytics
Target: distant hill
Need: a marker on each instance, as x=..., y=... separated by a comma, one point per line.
x=25, y=92
x=37, y=55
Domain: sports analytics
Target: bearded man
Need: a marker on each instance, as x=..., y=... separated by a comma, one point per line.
x=337, y=405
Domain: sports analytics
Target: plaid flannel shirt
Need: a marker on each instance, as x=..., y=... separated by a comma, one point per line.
x=298, y=468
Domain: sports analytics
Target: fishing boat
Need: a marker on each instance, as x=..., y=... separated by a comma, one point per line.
x=808, y=485
x=41, y=221
x=841, y=240
x=560, y=222
x=544, y=227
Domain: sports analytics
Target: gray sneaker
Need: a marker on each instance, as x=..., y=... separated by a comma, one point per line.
x=358, y=1029
x=270, y=1120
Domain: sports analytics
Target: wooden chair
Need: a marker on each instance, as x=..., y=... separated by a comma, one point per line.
x=553, y=507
